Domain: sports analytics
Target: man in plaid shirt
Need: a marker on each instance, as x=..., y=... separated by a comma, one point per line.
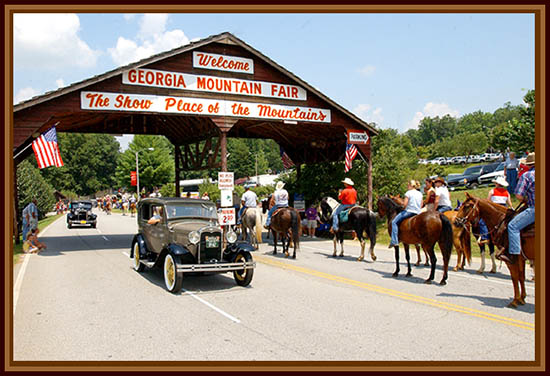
x=525, y=190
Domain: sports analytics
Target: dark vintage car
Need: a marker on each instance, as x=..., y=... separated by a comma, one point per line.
x=186, y=238
x=80, y=213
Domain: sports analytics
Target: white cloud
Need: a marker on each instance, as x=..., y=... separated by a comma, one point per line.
x=50, y=40
x=60, y=83
x=129, y=16
x=367, y=70
x=432, y=110
x=364, y=112
x=152, y=38
x=24, y=94
x=124, y=141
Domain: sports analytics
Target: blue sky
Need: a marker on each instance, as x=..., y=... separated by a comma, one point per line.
x=392, y=69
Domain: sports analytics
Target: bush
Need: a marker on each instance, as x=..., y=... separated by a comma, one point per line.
x=168, y=190
x=31, y=184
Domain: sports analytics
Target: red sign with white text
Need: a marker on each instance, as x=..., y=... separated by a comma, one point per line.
x=133, y=178
x=358, y=137
x=226, y=216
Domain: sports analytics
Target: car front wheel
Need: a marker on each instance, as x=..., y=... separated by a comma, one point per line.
x=243, y=277
x=173, y=280
x=138, y=266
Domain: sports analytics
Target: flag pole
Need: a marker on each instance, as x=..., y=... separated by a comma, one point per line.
x=26, y=147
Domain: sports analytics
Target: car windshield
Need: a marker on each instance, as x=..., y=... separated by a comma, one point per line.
x=187, y=210
x=472, y=170
x=82, y=205
x=500, y=166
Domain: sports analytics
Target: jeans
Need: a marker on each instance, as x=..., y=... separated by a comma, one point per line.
x=395, y=225
x=270, y=213
x=519, y=222
x=240, y=215
x=445, y=208
x=512, y=179
x=338, y=210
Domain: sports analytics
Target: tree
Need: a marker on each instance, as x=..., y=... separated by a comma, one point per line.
x=156, y=167
x=31, y=184
x=89, y=160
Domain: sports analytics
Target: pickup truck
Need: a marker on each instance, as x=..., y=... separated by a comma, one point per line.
x=469, y=178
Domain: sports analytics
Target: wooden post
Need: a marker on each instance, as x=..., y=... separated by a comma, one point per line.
x=369, y=182
x=298, y=172
x=178, y=168
x=223, y=149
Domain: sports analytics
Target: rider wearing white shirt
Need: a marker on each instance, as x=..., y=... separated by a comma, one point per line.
x=248, y=200
x=281, y=201
x=442, y=196
x=413, y=206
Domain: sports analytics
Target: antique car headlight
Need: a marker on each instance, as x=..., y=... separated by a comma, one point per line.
x=231, y=236
x=194, y=237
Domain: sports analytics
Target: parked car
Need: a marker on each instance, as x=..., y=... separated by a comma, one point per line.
x=458, y=160
x=469, y=178
x=187, y=238
x=80, y=213
x=473, y=159
x=485, y=157
x=423, y=161
x=488, y=177
x=439, y=160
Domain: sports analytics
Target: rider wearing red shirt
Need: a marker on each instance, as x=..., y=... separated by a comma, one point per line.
x=348, y=197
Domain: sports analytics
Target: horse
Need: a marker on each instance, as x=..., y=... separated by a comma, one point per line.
x=426, y=228
x=360, y=220
x=132, y=209
x=494, y=216
x=461, y=239
x=252, y=221
x=286, y=223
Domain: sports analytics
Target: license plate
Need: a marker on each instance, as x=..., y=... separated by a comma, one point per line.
x=212, y=241
x=83, y=222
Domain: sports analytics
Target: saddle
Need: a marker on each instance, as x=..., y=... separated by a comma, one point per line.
x=501, y=234
x=277, y=211
x=343, y=216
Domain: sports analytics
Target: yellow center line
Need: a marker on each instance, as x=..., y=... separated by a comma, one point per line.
x=400, y=294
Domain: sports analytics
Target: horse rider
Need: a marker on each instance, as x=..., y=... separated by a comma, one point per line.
x=525, y=191
x=412, y=204
x=429, y=189
x=442, y=196
x=281, y=201
x=348, y=198
x=248, y=200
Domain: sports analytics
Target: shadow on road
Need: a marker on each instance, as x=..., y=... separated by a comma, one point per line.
x=417, y=277
x=492, y=302
x=58, y=245
x=196, y=282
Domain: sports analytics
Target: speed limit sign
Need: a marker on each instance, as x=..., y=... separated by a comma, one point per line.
x=226, y=216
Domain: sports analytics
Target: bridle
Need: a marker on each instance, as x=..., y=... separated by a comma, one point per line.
x=471, y=217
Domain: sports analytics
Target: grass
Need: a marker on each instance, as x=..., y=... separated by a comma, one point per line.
x=18, y=248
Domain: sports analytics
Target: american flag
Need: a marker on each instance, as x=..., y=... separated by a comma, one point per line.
x=46, y=149
x=351, y=153
x=287, y=162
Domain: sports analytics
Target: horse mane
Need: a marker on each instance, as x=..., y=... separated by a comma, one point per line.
x=495, y=206
x=390, y=204
x=332, y=202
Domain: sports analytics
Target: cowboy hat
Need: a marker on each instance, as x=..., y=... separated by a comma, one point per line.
x=279, y=185
x=500, y=181
x=348, y=181
x=440, y=180
x=530, y=160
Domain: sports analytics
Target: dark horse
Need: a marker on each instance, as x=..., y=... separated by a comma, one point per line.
x=286, y=223
x=494, y=216
x=360, y=220
x=426, y=229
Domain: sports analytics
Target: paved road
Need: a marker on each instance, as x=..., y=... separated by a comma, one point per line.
x=81, y=300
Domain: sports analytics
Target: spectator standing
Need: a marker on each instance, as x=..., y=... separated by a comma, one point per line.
x=511, y=171
x=311, y=216
x=30, y=218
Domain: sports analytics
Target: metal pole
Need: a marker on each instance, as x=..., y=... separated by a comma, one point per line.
x=137, y=175
x=257, y=182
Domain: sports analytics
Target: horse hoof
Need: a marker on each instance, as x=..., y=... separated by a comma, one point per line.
x=455, y=269
x=294, y=256
x=274, y=252
x=417, y=263
x=374, y=258
x=395, y=274
x=341, y=255
x=427, y=264
x=521, y=301
x=479, y=271
x=334, y=255
x=493, y=271
x=409, y=274
x=286, y=254
x=442, y=283
x=512, y=304
x=428, y=281
x=360, y=258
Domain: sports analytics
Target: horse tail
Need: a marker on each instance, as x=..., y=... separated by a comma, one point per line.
x=258, y=215
x=372, y=222
x=446, y=238
x=296, y=227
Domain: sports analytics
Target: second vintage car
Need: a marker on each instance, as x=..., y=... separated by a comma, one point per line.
x=80, y=213
x=182, y=235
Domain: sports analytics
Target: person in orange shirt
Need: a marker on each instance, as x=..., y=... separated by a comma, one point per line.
x=348, y=198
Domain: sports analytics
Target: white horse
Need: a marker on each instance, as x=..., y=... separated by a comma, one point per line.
x=252, y=220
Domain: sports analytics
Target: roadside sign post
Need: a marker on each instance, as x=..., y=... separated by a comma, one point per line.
x=226, y=214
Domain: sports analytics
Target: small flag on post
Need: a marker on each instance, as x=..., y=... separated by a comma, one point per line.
x=351, y=153
x=287, y=162
x=46, y=149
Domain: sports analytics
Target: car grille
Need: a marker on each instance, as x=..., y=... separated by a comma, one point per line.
x=207, y=251
x=81, y=216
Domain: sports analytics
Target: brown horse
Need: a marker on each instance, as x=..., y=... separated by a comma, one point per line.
x=426, y=229
x=461, y=239
x=286, y=223
x=493, y=214
x=132, y=209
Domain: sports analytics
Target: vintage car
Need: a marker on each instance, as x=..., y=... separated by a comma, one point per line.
x=80, y=213
x=182, y=235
